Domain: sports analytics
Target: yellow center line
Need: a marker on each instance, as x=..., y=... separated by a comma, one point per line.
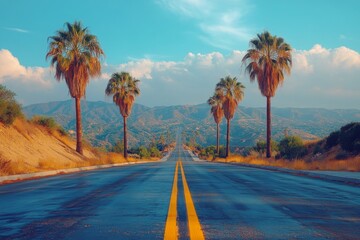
x=193, y=220
x=171, y=228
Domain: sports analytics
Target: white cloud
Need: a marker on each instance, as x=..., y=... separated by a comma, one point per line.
x=301, y=63
x=12, y=70
x=346, y=58
x=320, y=78
x=319, y=50
x=221, y=22
x=20, y=30
x=139, y=69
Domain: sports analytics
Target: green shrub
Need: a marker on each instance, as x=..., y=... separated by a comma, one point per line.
x=143, y=152
x=154, y=152
x=62, y=131
x=10, y=109
x=49, y=123
x=318, y=149
x=349, y=137
x=118, y=147
x=209, y=151
x=332, y=140
x=341, y=156
x=260, y=146
x=222, y=152
x=292, y=147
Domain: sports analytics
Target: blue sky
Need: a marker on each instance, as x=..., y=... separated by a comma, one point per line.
x=180, y=48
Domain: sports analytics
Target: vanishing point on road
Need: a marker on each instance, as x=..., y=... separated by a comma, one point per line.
x=180, y=198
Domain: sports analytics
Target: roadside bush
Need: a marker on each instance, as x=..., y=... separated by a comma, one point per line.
x=118, y=147
x=49, y=123
x=143, y=152
x=154, y=152
x=10, y=109
x=332, y=140
x=222, y=151
x=209, y=151
x=318, y=149
x=260, y=146
x=292, y=147
x=342, y=156
x=349, y=137
x=62, y=131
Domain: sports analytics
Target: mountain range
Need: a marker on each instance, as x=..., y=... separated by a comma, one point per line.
x=102, y=122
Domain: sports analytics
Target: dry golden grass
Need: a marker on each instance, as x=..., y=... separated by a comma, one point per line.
x=351, y=164
x=27, y=148
x=8, y=167
x=53, y=164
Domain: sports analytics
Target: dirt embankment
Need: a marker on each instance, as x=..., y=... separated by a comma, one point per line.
x=26, y=147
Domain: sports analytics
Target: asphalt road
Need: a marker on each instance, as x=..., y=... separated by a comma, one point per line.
x=132, y=202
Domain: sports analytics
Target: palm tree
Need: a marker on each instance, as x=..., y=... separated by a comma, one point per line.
x=216, y=103
x=124, y=88
x=267, y=60
x=232, y=92
x=75, y=54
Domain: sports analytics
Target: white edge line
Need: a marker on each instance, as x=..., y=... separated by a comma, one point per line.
x=194, y=157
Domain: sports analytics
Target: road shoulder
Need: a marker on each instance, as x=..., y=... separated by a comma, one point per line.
x=36, y=175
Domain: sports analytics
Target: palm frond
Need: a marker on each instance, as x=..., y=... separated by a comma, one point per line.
x=268, y=58
x=124, y=89
x=75, y=54
x=232, y=93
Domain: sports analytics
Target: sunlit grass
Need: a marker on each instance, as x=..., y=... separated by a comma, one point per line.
x=35, y=148
x=351, y=164
x=8, y=167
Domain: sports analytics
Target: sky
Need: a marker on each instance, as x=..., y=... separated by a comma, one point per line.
x=179, y=49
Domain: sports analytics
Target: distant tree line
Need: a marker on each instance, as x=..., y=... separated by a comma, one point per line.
x=154, y=149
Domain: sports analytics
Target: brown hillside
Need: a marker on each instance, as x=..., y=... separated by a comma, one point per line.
x=26, y=147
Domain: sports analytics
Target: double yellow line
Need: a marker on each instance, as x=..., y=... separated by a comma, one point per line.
x=171, y=227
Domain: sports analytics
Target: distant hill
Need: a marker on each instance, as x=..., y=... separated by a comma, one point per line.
x=102, y=122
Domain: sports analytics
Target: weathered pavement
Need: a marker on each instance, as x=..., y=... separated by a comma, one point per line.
x=132, y=202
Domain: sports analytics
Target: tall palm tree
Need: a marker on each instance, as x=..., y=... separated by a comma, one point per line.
x=268, y=58
x=75, y=54
x=232, y=92
x=216, y=103
x=124, y=89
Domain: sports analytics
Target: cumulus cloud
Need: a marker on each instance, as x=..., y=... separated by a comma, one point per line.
x=320, y=77
x=221, y=24
x=31, y=84
x=12, y=70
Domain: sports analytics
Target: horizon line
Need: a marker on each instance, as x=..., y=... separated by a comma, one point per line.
x=191, y=105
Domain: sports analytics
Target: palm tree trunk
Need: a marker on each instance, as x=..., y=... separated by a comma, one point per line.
x=79, y=148
x=217, y=138
x=228, y=138
x=125, y=139
x=268, y=127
